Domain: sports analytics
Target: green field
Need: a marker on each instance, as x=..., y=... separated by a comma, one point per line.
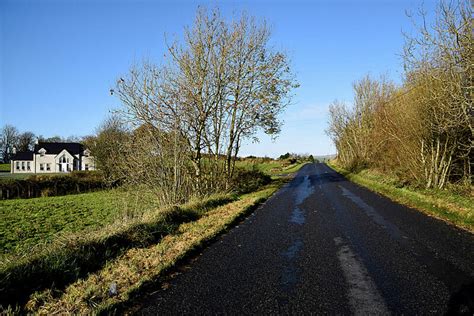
x=4, y=167
x=35, y=222
x=273, y=168
x=29, y=222
x=8, y=175
x=53, y=241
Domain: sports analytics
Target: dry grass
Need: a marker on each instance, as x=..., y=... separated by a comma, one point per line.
x=138, y=266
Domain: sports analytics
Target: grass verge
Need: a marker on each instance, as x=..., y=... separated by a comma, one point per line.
x=274, y=168
x=38, y=279
x=137, y=267
x=448, y=206
x=75, y=256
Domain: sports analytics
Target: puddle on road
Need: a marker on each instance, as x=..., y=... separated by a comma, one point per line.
x=297, y=216
x=303, y=190
x=290, y=272
x=293, y=250
x=372, y=213
x=364, y=297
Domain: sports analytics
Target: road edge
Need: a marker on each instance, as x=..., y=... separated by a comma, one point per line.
x=405, y=197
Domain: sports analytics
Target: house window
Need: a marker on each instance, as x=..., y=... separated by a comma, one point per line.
x=23, y=165
x=17, y=165
x=48, y=166
x=28, y=167
x=42, y=166
x=86, y=166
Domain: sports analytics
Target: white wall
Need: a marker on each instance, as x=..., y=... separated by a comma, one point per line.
x=50, y=159
x=23, y=163
x=45, y=160
x=89, y=161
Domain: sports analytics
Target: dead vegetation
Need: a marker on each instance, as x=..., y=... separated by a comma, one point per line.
x=421, y=132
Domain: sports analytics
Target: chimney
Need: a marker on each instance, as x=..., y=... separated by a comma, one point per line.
x=14, y=151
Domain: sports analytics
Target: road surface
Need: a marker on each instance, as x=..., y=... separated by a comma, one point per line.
x=325, y=245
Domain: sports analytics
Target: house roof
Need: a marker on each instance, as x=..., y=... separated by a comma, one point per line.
x=23, y=155
x=56, y=148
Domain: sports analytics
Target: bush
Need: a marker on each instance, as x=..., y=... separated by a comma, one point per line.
x=245, y=181
x=47, y=185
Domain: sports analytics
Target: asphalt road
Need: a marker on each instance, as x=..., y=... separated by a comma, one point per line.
x=325, y=245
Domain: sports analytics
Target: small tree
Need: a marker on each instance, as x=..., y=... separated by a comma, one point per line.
x=8, y=140
x=222, y=84
x=26, y=141
x=107, y=145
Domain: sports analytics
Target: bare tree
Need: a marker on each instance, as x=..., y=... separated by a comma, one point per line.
x=223, y=82
x=422, y=131
x=8, y=139
x=440, y=59
x=26, y=141
x=260, y=87
x=107, y=144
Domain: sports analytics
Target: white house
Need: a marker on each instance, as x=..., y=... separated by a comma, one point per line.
x=53, y=157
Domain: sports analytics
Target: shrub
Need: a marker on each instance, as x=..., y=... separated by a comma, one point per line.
x=245, y=181
x=47, y=185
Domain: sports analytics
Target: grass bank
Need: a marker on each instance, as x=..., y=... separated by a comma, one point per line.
x=75, y=256
x=452, y=207
x=274, y=168
x=139, y=266
x=76, y=246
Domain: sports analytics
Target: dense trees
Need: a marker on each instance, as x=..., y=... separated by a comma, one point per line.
x=221, y=84
x=423, y=130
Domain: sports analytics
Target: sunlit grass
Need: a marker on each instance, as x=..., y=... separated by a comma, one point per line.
x=139, y=266
x=4, y=167
x=447, y=205
x=33, y=222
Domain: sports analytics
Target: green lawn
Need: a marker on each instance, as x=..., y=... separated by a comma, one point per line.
x=8, y=175
x=29, y=222
x=4, y=167
x=58, y=240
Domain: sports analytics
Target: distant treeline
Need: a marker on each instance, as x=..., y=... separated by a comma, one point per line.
x=421, y=131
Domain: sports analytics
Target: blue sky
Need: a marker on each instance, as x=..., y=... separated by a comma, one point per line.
x=58, y=59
